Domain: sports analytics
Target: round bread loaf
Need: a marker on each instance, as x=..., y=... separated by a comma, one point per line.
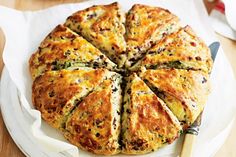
x=115, y=83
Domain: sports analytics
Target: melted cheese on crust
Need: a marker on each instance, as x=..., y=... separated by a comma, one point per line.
x=147, y=124
x=95, y=125
x=146, y=25
x=182, y=50
x=103, y=26
x=56, y=93
x=183, y=90
x=63, y=48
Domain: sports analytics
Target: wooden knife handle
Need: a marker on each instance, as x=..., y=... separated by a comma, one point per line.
x=188, y=145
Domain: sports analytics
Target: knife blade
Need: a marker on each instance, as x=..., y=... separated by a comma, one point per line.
x=214, y=47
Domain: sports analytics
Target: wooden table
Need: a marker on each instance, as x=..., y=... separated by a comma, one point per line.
x=8, y=147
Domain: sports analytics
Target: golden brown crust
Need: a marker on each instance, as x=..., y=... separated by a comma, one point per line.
x=56, y=93
x=85, y=103
x=93, y=126
x=185, y=89
x=103, y=26
x=62, y=49
x=146, y=25
x=147, y=124
x=182, y=50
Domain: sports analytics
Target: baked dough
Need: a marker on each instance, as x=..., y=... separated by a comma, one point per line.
x=56, y=93
x=112, y=86
x=147, y=123
x=184, y=91
x=95, y=124
x=62, y=49
x=181, y=50
x=103, y=26
x=146, y=25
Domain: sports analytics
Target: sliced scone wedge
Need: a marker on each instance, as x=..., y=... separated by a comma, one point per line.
x=63, y=48
x=56, y=93
x=145, y=25
x=147, y=123
x=103, y=26
x=182, y=50
x=184, y=91
x=95, y=123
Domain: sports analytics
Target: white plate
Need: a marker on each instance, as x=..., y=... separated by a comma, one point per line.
x=218, y=114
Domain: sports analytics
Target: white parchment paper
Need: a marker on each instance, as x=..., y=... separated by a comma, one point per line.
x=25, y=30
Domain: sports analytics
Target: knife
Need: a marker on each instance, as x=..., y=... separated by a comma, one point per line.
x=192, y=132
